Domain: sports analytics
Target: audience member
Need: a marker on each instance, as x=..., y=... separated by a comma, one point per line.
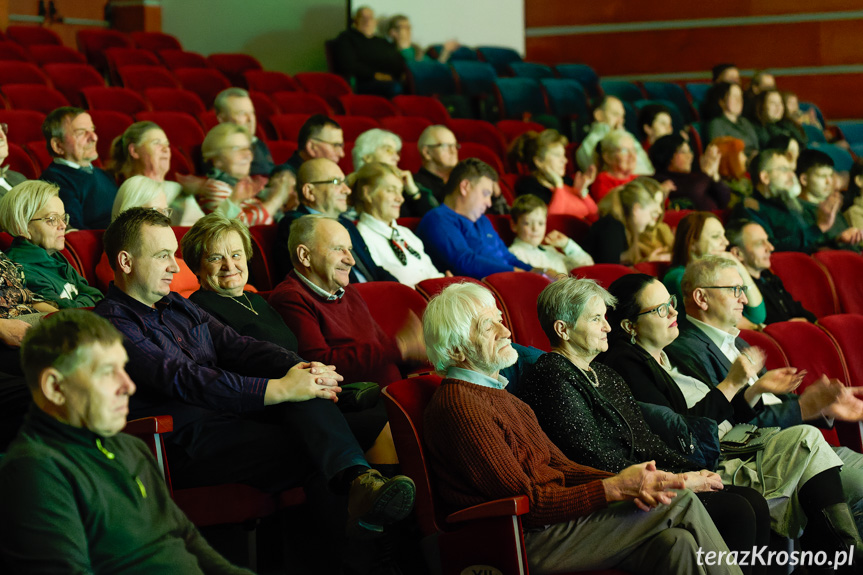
x=378, y=145
x=144, y=150
x=8, y=178
x=319, y=137
x=377, y=195
x=761, y=81
x=768, y=119
x=439, y=153
x=655, y=122
x=143, y=192
x=316, y=300
x=709, y=343
x=732, y=167
x=544, y=155
x=751, y=246
x=33, y=213
x=227, y=153
x=780, y=213
x=87, y=191
x=77, y=495
x=701, y=234
x=608, y=117
x=553, y=252
x=726, y=72
x=853, y=202
x=587, y=410
x=723, y=116
x=804, y=488
x=234, y=106
x=616, y=157
x=457, y=234
x=815, y=173
x=398, y=31
x=484, y=444
x=374, y=62
x=322, y=190
x=220, y=249
x=233, y=398
x=613, y=238
x=798, y=116
x=702, y=189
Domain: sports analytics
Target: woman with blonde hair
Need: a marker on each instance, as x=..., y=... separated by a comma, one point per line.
x=33, y=213
x=376, y=192
x=544, y=155
x=613, y=238
x=227, y=153
x=616, y=160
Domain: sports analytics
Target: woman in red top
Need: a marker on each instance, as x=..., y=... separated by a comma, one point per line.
x=616, y=159
x=544, y=154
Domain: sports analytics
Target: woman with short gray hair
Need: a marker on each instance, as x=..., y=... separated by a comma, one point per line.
x=587, y=410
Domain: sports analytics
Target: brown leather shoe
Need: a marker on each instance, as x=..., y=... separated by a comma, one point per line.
x=375, y=501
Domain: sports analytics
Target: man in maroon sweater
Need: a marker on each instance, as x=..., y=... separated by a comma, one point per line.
x=331, y=318
x=486, y=444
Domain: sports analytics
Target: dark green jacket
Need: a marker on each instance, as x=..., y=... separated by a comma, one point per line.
x=52, y=276
x=73, y=502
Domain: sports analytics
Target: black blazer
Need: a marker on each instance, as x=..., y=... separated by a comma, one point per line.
x=695, y=354
x=282, y=257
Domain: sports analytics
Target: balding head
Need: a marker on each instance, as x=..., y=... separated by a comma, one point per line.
x=321, y=185
x=438, y=149
x=321, y=251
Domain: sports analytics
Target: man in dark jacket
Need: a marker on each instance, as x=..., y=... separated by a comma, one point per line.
x=373, y=62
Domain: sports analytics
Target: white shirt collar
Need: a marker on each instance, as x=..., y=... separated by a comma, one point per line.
x=73, y=165
x=377, y=226
x=476, y=377
x=320, y=291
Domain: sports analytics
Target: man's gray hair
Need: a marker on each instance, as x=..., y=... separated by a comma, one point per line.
x=303, y=233
x=703, y=272
x=368, y=143
x=448, y=320
x=220, y=105
x=565, y=300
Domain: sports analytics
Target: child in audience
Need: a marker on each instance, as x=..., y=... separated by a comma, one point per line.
x=559, y=255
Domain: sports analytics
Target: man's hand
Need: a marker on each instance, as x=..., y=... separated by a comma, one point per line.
x=851, y=236
x=703, y=480
x=410, y=340
x=746, y=366
x=556, y=238
x=643, y=484
x=304, y=381
x=818, y=396
x=848, y=406
x=12, y=331
x=781, y=380
x=827, y=210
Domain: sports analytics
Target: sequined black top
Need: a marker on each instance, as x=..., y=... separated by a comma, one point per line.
x=600, y=426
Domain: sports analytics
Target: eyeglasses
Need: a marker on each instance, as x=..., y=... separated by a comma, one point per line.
x=737, y=291
x=333, y=144
x=445, y=146
x=53, y=220
x=662, y=309
x=235, y=149
x=333, y=182
x=164, y=211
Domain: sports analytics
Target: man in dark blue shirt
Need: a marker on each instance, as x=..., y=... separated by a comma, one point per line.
x=245, y=411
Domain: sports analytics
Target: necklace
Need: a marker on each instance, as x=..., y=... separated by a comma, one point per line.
x=248, y=307
x=595, y=382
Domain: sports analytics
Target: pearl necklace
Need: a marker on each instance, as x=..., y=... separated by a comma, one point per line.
x=595, y=382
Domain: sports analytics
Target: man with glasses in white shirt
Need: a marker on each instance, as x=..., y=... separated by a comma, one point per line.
x=709, y=342
x=87, y=192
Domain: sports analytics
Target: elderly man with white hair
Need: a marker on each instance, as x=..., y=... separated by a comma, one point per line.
x=485, y=444
x=378, y=145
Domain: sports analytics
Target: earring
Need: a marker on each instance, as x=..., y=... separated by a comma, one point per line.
x=632, y=338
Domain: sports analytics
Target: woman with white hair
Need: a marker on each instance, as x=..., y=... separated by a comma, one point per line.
x=227, y=153
x=377, y=195
x=33, y=213
x=144, y=192
x=616, y=160
x=378, y=145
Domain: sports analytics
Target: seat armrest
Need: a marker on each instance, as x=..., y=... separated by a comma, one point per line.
x=150, y=425
x=497, y=508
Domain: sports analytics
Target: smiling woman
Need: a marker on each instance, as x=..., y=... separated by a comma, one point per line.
x=378, y=196
x=33, y=213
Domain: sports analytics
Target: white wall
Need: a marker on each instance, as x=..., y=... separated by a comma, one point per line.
x=289, y=35
x=471, y=22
